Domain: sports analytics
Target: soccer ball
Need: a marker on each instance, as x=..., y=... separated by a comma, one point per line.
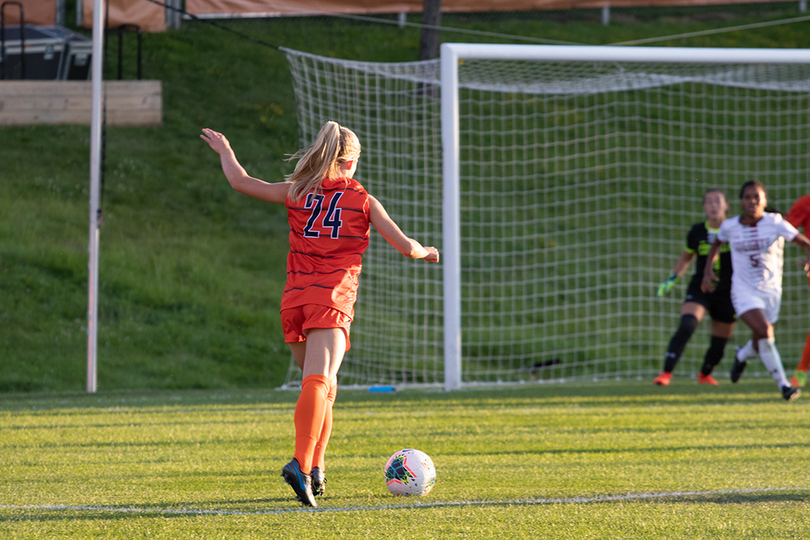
x=410, y=472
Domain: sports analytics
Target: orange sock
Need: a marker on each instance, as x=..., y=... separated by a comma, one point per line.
x=309, y=414
x=804, y=365
x=326, y=430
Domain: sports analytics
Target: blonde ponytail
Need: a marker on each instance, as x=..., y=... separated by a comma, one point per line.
x=333, y=146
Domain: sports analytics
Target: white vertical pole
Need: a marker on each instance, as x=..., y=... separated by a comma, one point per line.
x=95, y=184
x=60, y=12
x=451, y=227
x=173, y=16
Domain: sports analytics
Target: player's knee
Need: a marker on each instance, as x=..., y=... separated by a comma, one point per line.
x=689, y=324
x=763, y=331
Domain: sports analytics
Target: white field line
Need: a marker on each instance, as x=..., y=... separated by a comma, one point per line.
x=439, y=504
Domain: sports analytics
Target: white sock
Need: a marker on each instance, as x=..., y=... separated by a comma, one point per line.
x=747, y=352
x=772, y=360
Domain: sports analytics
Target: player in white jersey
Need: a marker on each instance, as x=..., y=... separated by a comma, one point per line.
x=757, y=240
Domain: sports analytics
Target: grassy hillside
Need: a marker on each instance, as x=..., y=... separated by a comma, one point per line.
x=191, y=272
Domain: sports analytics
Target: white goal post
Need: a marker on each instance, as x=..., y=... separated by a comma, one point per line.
x=559, y=183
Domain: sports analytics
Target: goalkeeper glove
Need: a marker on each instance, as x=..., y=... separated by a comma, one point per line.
x=666, y=286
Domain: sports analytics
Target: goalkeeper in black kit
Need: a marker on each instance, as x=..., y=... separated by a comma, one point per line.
x=697, y=303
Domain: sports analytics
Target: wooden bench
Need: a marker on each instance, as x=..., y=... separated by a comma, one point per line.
x=128, y=103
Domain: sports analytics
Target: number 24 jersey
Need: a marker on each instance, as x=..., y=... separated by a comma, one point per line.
x=329, y=232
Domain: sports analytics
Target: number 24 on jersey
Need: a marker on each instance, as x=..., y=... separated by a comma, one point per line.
x=330, y=222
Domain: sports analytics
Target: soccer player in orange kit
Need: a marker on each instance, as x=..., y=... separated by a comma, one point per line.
x=329, y=213
x=799, y=216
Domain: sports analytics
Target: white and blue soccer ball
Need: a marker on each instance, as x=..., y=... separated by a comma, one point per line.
x=410, y=472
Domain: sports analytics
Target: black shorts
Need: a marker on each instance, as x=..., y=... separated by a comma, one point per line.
x=718, y=303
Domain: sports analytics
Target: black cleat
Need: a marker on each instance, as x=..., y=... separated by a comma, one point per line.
x=300, y=482
x=318, y=482
x=738, y=368
x=790, y=393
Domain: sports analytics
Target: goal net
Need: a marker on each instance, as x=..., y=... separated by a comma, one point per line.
x=560, y=197
x=396, y=336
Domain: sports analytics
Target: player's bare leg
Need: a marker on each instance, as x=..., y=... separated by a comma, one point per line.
x=322, y=354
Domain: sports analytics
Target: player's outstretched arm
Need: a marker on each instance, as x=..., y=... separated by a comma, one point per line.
x=681, y=265
x=394, y=235
x=236, y=174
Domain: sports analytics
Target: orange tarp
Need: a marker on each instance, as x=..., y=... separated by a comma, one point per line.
x=38, y=12
x=301, y=7
x=314, y=7
x=150, y=17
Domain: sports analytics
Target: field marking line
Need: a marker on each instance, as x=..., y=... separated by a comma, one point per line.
x=438, y=504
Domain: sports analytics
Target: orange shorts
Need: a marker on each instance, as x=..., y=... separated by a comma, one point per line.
x=297, y=321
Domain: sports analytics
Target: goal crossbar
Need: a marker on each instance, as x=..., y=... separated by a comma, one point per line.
x=603, y=53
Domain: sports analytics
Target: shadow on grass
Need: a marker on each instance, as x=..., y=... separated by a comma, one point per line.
x=285, y=506
x=750, y=391
x=737, y=498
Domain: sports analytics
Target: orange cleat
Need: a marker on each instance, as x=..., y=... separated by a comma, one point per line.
x=663, y=379
x=707, y=379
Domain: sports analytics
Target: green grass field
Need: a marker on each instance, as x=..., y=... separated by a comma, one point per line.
x=186, y=437
x=611, y=460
